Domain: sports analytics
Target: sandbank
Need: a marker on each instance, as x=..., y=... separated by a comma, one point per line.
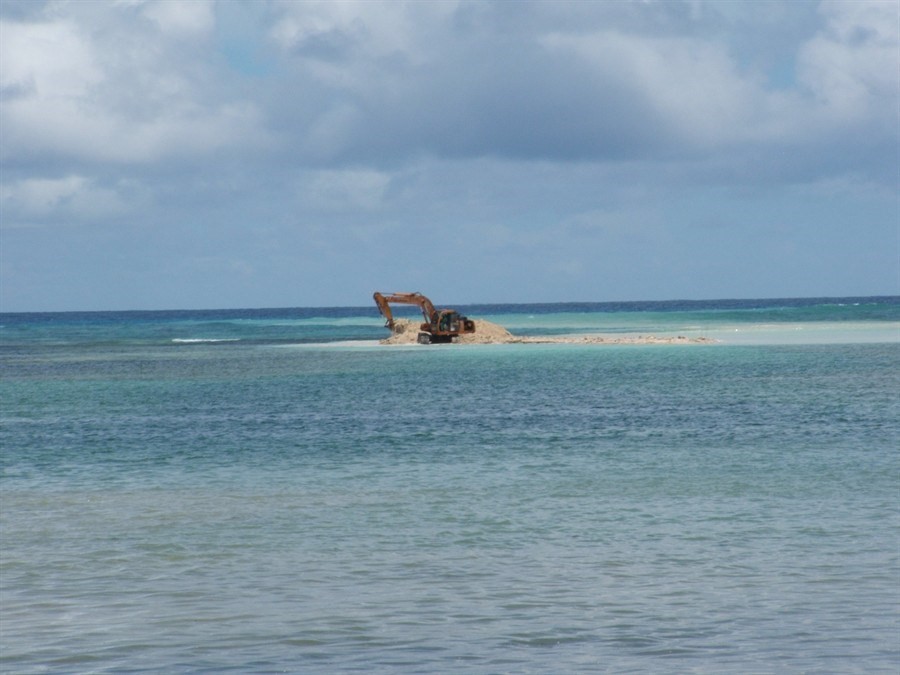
x=406, y=332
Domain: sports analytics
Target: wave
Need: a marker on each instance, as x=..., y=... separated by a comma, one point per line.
x=202, y=340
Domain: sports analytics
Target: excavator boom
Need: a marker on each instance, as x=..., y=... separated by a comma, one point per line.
x=384, y=305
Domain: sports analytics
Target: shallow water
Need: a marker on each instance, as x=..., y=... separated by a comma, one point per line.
x=268, y=505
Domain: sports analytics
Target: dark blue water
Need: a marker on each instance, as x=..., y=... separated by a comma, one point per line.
x=272, y=491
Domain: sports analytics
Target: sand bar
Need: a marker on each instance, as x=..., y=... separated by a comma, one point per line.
x=486, y=332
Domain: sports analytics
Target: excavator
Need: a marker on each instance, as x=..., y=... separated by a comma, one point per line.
x=441, y=325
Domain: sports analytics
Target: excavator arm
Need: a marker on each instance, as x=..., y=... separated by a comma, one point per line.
x=384, y=305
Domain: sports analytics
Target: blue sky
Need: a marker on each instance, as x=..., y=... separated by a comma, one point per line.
x=167, y=155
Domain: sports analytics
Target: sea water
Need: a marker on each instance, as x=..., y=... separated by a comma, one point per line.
x=273, y=491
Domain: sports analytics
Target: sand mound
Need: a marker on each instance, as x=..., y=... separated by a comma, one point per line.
x=406, y=332
x=487, y=333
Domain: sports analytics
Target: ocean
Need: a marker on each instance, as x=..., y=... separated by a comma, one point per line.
x=267, y=491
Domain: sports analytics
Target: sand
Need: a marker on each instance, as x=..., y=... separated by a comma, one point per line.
x=486, y=332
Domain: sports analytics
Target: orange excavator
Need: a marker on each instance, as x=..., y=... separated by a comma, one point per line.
x=441, y=325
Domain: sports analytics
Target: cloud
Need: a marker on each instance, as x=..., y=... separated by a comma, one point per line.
x=381, y=84
x=362, y=31
x=120, y=90
x=533, y=143
x=73, y=198
x=581, y=81
x=689, y=87
x=42, y=196
x=188, y=19
x=851, y=66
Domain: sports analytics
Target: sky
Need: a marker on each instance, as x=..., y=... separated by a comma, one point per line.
x=215, y=154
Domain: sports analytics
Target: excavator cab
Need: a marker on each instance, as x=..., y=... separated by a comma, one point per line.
x=451, y=321
x=446, y=325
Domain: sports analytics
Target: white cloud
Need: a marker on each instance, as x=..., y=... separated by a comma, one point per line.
x=43, y=195
x=369, y=82
x=81, y=130
x=50, y=60
x=116, y=93
x=852, y=67
x=187, y=19
x=73, y=197
x=361, y=28
x=694, y=87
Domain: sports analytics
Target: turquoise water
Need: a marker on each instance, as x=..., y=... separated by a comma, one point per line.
x=271, y=491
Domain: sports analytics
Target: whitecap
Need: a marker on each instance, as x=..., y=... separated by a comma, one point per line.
x=199, y=340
